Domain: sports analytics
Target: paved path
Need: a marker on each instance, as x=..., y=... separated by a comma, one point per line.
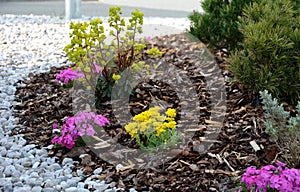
x=154, y=8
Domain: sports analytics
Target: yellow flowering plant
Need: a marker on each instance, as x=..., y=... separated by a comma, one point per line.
x=152, y=130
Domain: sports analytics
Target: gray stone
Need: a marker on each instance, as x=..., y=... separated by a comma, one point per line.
x=9, y=170
x=98, y=171
x=64, y=184
x=83, y=190
x=80, y=185
x=48, y=189
x=54, y=167
x=71, y=183
x=27, y=163
x=36, y=189
x=79, y=173
x=58, y=187
x=43, y=164
x=100, y=187
x=49, y=183
x=66, y=161
x=22, y=189
x=28, y=147
x=35, y=165
x=13, y=154
x=34, y=175
x=71, y=189
x=3, y=151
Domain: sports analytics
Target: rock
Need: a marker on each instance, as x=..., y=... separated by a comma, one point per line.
x=64, y=184
x=35, y=165
x=54, y=167
x=36, y=189
x=22, y=189
x=34, y=175
x=71, y=183
x=98, y=171
x=9, y=170
x=67, y=160
x=49, y=189
x=27, y=163
x=3, y=151
x=71, y=189
x=83, y=190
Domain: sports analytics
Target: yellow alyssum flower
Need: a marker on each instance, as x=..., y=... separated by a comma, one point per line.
x=171, y=124
x=171, y=112
x=116, y=77
x=143, y=127
x=152, y=124
x=160, y=130
x=144, y=116
x=132, y=129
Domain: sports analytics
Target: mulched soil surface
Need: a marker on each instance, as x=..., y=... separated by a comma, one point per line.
x=42, y=102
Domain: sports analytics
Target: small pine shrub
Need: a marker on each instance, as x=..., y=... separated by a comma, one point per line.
x=218, y=26
x=270, y=55
x=282, y=128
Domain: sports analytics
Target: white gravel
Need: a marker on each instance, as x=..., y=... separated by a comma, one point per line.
x=34, y=44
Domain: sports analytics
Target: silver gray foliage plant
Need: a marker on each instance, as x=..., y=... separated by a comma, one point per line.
x=282, y=127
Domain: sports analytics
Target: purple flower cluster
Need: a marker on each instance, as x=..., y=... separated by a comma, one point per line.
x=69, y=74
x=79, y=125
x=270, y=177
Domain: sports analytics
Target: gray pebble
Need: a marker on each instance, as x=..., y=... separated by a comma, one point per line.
x=22, y=189
x=71, y=183
x=66, y=161
x=83, y=190
x=98, y=171
x=3, y=151
x=48, y=189
x=54, y=167
x=64, y=184
x=27, y=164
x=9, y=170
x=36, y=189
x=35, y=165
x=71, y=189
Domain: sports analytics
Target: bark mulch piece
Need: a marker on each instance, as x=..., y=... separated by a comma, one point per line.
x=41, y=102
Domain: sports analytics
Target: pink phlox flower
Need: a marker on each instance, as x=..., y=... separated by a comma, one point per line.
x=280, y=164
x=69, y=74
x=79, y=125
x=275, y=181
x=268, y=168
x=90, y=130
x=101, y=121
x=54, y=125
x=68, y=141
x=56, y=139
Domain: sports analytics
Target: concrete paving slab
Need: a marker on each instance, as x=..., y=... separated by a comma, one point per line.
x=151, y=8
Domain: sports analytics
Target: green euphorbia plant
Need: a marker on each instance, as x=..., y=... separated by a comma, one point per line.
x=102, y=62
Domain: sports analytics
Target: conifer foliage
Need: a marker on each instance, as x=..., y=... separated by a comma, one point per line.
x=269, y=58
x=218, y=26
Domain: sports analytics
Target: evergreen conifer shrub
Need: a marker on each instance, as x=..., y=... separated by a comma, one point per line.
x=269, y=57
x=218, y=26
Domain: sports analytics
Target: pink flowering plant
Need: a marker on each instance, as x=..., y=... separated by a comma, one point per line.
x=68, y=76
x=80, y=125
x=271, y=178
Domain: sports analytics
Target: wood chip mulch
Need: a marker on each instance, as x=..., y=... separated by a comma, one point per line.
x=41, y=102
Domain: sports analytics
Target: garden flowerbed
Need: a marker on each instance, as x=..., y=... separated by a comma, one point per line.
x=43, y=102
